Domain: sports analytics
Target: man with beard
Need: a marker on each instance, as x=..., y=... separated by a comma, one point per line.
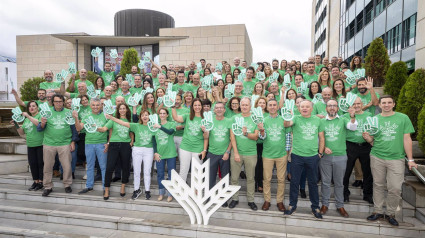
x=319, y=108
x=49, y=85
x=367, y=94
x=41, y=95
x=335, y=73
x=310, y=75
x=108, y=75
x=275, y=65
x=334, y=61
x=83, y=79
x=138, y=87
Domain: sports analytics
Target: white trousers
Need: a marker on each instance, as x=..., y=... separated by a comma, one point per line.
x=185, y=158
x=177, y=142
x=145, y=155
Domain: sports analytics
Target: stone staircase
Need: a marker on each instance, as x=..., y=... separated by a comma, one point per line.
x=28, y=214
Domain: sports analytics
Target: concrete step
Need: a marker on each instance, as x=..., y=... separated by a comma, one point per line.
x=13, y=145
x=420, y=214
x=236, y=222
x=12, y=164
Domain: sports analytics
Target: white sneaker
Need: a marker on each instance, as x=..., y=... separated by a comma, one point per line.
x=85, y=177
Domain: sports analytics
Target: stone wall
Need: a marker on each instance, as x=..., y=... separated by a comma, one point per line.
x=420, y=36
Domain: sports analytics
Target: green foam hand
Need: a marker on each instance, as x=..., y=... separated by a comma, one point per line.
x=145, y=91
x=153, y=119
x=113, y=54
x=75, y=104
x=253, y=100
x=96, y=52
x=108, y=108
x=90, y=125
x=134, y=100
x=317, y=98
x=199, y=66
x=287, y=80
x=303, y=88
x=229, y=91
x=69, y=119
x=207, y=81
x=351, y=78
x=257, y=115
x=237, y=127
x=141, y=64
x=159, y=100
x=219, y=66
x=360, y=73
x=91, y=92
x=345, y=103
x=72, y=69
x=58, y=77
x=372, y=125
x=45, y=110
x=241, y=77
x=273, y=77
x=108, y=78
x=260, y=76
x=208, y=122
x=255, y=66
x=17, y=115
x=169, y=99
x=130, y=79
x=287, y=111
x=147, y=56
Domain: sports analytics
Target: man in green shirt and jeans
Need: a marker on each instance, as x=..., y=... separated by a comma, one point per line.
x=390, y=145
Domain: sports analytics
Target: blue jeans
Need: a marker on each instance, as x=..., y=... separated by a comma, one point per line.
x=311, y=167
x=73, y=161
x=92, y=151
x=160, y=170
x=303, y=176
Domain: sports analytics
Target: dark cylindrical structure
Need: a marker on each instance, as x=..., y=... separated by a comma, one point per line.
x=141, y=22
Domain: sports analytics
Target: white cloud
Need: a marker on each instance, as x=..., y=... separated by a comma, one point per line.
x=277, y=29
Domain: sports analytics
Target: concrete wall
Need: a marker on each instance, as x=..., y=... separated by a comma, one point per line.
x=212, y=43
x=420, y=36
x=36, y=53
x=333, y=15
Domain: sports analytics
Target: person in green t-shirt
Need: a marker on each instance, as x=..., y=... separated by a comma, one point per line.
x=391, y=145
x=244, y=144
x=164, y=151
x=249, y=82
x=108, y=74
x=178, y=135
x=138, y=86
x=59, y=138
x=233, y=107
x=34, y=140
x=119, y=150
x=195, y=138
x=308, y=148
x=41, y=95
x=318, y=64
x=274, y=134
x=333, y=163
x=310, y=75
x=319, y=108
x=49, y=85
x=83, y=79
x=367, y=94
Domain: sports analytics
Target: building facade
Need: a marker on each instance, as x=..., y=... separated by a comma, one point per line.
x=361, y=21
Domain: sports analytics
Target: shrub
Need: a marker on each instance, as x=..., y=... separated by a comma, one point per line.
x=395, y=79
x=377, y=61
x=30, y=87
x=129, y=59
x=91, y=76
x=421, y=129
x=412, y=96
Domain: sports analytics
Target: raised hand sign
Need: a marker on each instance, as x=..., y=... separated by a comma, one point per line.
x=207, y=81
x=219, y=66
x=287, y=80
x=208, y=121
x=255, y=66
x=159, y=100
x=229, y=91
x=91, y=92
x=317, y=98
x=303, y=88
x=134, y=100
x=75, y=104
x=372, y=125
x=90, y=125
x=287, y=111
x=169, y=99
x=72, y=69
x=113, y=54
x=141, y=64
x=153, y=120
x=130, y=79
x=241, y=77
x=360, y=73
x=96, y=52
x=45, y=110
x=253, y=99
x=17, y=115
x=145, y=91
x=260, y=76
x=273, y=77
x=237, y=127
x=345, y=103
x=69, y=119
x=199, y=66
x=108, y=108
x=351, y=78
x=257, y=115
x=147, y=56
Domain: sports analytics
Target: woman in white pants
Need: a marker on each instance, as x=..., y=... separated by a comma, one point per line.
x=195, y=138
x=142, y=150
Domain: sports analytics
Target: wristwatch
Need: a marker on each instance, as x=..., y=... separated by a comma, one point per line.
x=320, y=154
x=228, y=152
x=245, y=134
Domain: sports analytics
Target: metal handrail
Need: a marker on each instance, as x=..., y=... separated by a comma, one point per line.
x=417, y=173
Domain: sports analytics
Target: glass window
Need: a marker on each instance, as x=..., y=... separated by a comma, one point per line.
x=409, y=31
x=351, y=47
x=408, y=53
x=394, y=14
x=352, y=13
x=380, y=6
x=359, y=22
x=358, y=41
x=359, y=6
x=369, y=13
x=393, y=38
x=349, y=2
x=395, y=57
x=368, y=34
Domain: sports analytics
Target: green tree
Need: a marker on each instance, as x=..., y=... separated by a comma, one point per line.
x=395, y=79
x=30, y=87
x=412, y=96
x=129, y=59
x=377, y=61
x=421, y=129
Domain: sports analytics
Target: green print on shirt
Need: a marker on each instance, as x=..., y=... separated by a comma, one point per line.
x=28, y=126
x=308, y=131
x=387, y=130
x=193, y=127
x=122, y=131
x=220, y=133
x=162, y=137
x=274, y=132
x=145, y=137
x=332, y=132
x=58, y=122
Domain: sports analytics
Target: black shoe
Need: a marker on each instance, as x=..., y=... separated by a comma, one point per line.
x=225, y=204
x=73, y=175
x=253, y=206
x=115, y=179
x=392, y=220
x=317, y=214
x=135, y=195
x=357, y=183
x=98, y=177
x=375, y=216
x=290, y=211
x=33, y=187
x=39, y=186
x=61, y=177
x=368, y=199
x=148, y=195
x=46, y=192
x=242, y=175
x=86, y=190
x=346, y=198
x=233, y=204
x=302, y=193
x=68, y=189
x=105, y=198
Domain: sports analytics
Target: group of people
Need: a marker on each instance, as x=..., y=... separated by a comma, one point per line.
x=319, y=141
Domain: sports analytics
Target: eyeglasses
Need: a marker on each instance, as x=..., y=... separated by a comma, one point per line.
x=235, y=103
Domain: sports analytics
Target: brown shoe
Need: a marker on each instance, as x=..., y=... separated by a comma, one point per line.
x=342, y=212
x=266, y=206
x=281, y=207
x=56, y=173
x=323, y=210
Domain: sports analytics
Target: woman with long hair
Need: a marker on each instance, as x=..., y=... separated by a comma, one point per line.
x=325, y=79
x=260, y=102
x=298, y=67
x=259, y=90
x=304, y=68
x=229, y=79
x=119, y=79
x=147, y=83
x=338, y=89
x=149, y=103
x=159, y=92
x=114, y=86
x=356, y=63
x=313, y=89
x=216, y=96
x=234, y=107
x=187, y=99
x=227, y=69
x=236, y=73
x=99, y=84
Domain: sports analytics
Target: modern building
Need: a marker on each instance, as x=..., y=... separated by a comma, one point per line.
x=347, y=27
x=146, y=31
x=7, y=77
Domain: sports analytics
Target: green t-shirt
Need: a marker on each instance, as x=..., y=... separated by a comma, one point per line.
x=51, y=85
x=357, y=135
x=310, y=78
x=336, y=134
x=318, y=67
x=248, y=88
x=180, y=111
x=134, y=90
x=119, y=133
x=319, y=108
x=246, y=146
x=274, y=145
x=37, y=101
x=281, y=72
x=220, y=136
x=108, y=77
x=142, y=135
x=184, y=87
x=88, y=83
x=229, y=113
x=165, y=143
x=192, y=88
x=57, y=132
x=193, y=138
x=366, y=99
x=96, y=137
x=389, y=142
x=306, y=135
x=33, y=137
x=234, y=67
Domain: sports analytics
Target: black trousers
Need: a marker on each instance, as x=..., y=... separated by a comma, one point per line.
x=118, y=153
x=360, y=151
x=35, y=160
x=81, y=151
x=215, y=162
x=259, y=167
